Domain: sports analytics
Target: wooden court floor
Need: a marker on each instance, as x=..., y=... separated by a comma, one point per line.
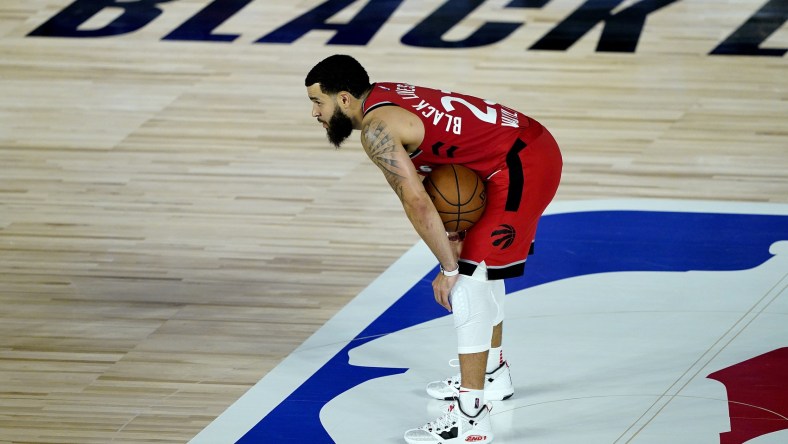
x=173, y=222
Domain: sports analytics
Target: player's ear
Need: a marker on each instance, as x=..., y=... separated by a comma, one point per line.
x=344, y=98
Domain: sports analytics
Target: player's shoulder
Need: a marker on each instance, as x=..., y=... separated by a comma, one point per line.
x=403, y=125
x=392, y=116
x=384, y=103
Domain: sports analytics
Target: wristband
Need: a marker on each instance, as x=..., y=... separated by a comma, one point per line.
x=454, y=272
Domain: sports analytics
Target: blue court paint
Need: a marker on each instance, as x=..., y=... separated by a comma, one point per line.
x=568, y=245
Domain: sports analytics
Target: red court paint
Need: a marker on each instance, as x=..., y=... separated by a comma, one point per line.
x=757, y=396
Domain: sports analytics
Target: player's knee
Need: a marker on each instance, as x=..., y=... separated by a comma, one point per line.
x=499, y=291
x=474, y=311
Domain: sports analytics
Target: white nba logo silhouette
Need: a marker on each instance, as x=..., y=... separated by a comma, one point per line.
x=589, y=356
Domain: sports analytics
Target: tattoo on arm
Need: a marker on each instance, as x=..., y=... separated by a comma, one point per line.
x=381, y=147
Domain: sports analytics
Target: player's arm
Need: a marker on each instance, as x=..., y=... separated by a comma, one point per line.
x=383, y=146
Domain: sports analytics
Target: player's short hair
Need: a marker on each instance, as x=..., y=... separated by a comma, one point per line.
x=337, y=73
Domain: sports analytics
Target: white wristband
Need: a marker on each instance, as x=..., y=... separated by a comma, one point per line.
x=454, y=272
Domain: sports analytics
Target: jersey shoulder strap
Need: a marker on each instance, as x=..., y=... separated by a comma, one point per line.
x=382, y=94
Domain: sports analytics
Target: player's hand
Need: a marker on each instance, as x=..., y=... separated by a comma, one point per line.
x=442, y=286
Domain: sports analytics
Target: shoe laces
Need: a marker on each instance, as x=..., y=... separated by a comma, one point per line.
x=445, y=422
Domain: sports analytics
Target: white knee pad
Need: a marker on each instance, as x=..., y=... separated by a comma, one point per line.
x=474, y=310
x=499, y=291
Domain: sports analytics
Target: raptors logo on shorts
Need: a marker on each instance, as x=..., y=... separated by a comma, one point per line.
x=503, y=236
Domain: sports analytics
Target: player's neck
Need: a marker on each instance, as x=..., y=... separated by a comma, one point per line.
x=358, y=111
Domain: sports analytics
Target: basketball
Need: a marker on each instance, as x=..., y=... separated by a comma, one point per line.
x=458, y=195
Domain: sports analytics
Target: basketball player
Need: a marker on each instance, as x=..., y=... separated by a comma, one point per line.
x=406, y=131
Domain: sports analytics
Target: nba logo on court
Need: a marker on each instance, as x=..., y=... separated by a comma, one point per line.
x=636, y=321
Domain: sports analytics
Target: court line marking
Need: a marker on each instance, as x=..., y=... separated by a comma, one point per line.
x=732, y=333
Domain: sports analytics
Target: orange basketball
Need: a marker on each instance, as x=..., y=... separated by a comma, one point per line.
x=458, y=195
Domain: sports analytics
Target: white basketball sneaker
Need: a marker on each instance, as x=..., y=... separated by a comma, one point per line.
x=454, y=427
x=497, y=386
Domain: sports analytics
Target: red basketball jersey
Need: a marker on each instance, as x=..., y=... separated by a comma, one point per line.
x=458, y=128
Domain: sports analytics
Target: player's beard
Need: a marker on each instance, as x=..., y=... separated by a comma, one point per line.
x=339, y=128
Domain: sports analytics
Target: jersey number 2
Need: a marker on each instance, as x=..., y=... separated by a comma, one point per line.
x=491, y=116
